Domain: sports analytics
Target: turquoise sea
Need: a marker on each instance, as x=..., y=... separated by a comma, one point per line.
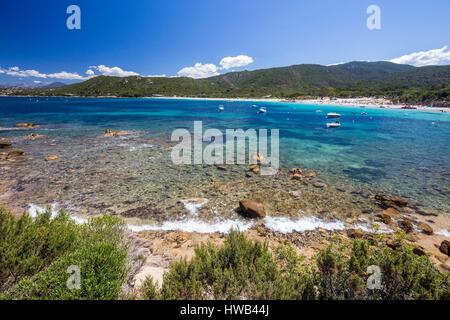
x=404, y=152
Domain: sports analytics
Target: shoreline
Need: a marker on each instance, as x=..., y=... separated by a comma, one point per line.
x=365, y=102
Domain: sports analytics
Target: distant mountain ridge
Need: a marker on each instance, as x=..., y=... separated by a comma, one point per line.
x=397, y=81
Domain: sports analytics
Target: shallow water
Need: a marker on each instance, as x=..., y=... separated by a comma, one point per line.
x=404, y=152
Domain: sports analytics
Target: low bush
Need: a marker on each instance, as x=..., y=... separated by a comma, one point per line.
x=49, y=256
x=244, y=269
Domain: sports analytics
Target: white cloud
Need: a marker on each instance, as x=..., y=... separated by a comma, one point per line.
x=235, y=62
x=37, y=81
x=113, y=71
x=199, y=70
x=17, y=72
x=425, y=58
x=89, y=72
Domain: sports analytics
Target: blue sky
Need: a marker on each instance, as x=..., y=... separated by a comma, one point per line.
x=163, y=37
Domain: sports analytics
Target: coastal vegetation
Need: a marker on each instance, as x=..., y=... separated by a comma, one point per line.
x=36, y=255
x=245, y=269
x=400, y=83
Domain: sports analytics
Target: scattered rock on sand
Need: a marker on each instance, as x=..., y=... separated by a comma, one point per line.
x=391, y=201
x=4, y=143
x=445, y=247
x=26, y=125
x=252, y=208
x=52, y=157
x=406, y=225
x=425, y=228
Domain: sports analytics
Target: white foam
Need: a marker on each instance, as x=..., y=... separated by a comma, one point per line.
x=443, y=232
x=35, y=210
x=195, y=225
x=192, y=206
x=287, y=225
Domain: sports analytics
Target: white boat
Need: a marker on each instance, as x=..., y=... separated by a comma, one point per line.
x=333, y=115
x=333, y=125
x=221, y=108
x=262, y=110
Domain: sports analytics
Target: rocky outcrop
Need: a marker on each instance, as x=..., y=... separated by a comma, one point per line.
x=252, y=208
x=425, y=228
x=385, y=218
x=445, y=247
x=391, y=201
x=406, y=225
x=392, y=212
x=355, y=233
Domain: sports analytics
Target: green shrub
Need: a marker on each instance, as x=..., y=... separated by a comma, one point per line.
x=28, y=246
x=98, y=249
x=244, y=269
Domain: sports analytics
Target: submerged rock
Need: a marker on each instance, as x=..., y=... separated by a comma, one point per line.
x=110, y=133
x=252, y=208
x=34, y=136
x=26, y=125
x=4, y=143
x=14, y=154
x=391, y=201
x=52, y=157
x=254, y=168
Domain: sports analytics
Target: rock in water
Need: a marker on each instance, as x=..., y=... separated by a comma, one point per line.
x=5, y=143
x=252, y=208
x=51, y=158
x=391, y=201
x=445, y=247
x=26, y=125
x=14, y=154
x=406, y=225
x=425, y=228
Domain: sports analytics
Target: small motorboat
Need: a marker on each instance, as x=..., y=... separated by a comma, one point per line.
x=333, y=125
x=333, y=115
x=221, y=108
x=262, y=110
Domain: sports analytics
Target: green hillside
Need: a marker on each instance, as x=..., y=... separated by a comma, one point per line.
x=400, y=82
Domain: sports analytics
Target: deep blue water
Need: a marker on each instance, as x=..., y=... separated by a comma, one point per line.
x=405, y=152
